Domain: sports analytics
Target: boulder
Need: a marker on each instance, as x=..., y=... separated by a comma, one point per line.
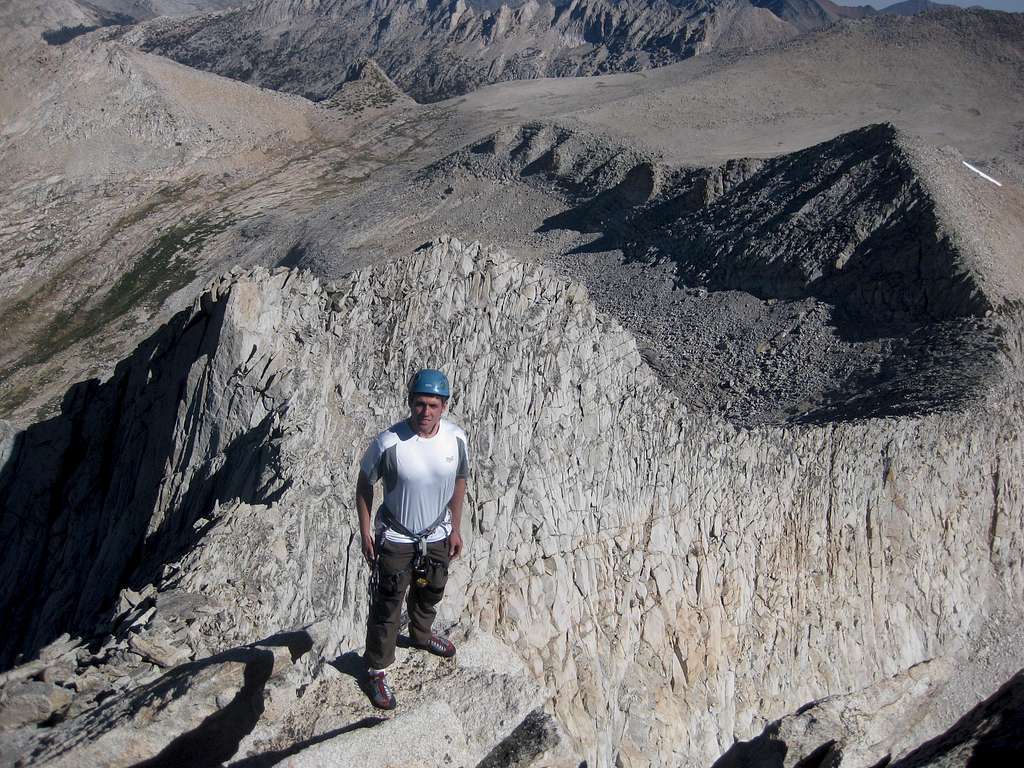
x=31, y=702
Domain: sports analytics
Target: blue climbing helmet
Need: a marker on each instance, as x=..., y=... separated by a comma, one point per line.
x=428, y=381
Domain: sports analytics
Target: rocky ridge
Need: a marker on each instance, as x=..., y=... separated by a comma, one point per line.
x=146, y=9
x=657, y=575
x=747, y=281
x=437, y=50
x=336, y=185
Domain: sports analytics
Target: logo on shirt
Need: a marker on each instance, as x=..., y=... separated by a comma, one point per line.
x=449, y=459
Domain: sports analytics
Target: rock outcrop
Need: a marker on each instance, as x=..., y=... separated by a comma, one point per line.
x=870, y=727
x=661, y=583
x=992, y=733
x=366, y=87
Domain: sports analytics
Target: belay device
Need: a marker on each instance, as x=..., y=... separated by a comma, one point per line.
x=420, y=563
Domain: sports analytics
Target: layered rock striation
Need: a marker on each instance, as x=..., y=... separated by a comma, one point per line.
x=665, y=582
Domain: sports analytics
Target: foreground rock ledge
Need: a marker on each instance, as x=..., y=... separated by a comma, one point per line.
x=660, y=583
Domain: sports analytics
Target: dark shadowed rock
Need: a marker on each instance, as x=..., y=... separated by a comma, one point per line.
x=991, y=734
x=847, y=245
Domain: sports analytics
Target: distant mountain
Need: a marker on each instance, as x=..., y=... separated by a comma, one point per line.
x=148, y=9
x=805, y=15
x=848, y=11
x=436, y=50
x=64, y=20
x=431, y=50
x=914, y=7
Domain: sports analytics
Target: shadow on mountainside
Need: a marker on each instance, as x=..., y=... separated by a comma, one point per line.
x=992, y=732
x=528, y=741
x=930, y=368
x=846, y=221
x=268, y=759
x=230, y=686
x=216, y=739
x=66, y=34
x=101, y=495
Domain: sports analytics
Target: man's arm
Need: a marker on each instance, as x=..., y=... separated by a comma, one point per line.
x=455, y=505
x=364, y=503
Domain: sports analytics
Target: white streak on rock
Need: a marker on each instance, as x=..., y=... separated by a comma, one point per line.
x=981, y=173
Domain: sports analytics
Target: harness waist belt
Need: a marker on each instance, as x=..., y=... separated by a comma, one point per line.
x=419, y=539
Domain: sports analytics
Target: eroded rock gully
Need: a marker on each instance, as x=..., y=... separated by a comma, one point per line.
x=660, y=583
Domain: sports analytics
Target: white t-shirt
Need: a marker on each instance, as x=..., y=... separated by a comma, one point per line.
x=418, y=474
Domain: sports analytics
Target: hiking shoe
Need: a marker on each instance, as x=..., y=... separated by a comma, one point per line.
x=380, y=693
x=439, y=646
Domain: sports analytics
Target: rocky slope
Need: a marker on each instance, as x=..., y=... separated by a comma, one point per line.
x=366, y=87
x=802, y=288
x=115, y=139
x=846, y=76
x=644, y=581
x=258, y=174
x=139, y=10
x=58, y=22
x=665, y=582
x=434, y=51
x=437, y=50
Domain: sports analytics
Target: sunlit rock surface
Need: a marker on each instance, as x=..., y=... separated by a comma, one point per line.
x=659, y=583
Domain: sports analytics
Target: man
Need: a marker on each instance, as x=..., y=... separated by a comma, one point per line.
x=423, y=464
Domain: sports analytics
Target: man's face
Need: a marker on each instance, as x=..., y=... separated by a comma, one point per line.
x=426, y=412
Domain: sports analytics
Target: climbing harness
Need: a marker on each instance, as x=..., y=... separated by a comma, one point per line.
x=420, y=560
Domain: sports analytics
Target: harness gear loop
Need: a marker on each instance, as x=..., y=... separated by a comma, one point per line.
x=374, y=583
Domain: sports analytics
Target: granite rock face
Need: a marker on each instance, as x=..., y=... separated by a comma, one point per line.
x=662, y=584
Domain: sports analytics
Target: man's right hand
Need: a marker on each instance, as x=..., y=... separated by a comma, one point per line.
x=369, y=551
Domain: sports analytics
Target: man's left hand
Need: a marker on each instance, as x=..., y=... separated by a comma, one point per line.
x=454, y=545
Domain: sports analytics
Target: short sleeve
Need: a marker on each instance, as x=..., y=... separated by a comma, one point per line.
x=369, y=465
x=463, y=470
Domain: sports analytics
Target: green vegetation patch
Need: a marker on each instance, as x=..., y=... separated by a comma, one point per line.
x=165, y=267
